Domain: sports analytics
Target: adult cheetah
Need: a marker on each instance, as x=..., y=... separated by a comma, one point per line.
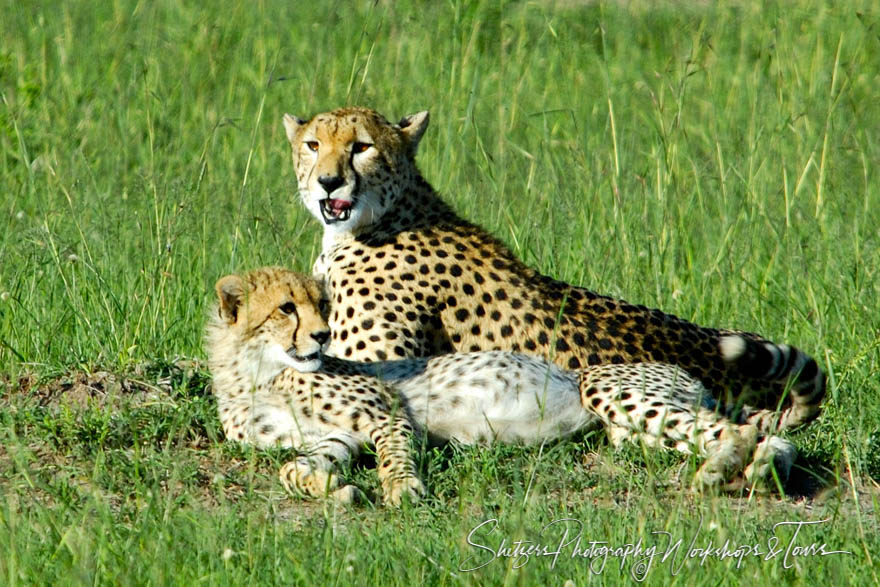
x=409, y=278
x=264, y=344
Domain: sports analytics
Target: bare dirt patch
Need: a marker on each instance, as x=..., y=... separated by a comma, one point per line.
x=79, y=389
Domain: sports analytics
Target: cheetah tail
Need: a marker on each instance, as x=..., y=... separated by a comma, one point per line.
x=778, y=363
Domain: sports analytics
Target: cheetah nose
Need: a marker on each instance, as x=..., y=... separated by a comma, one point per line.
x=321, y=337
x=330, y=182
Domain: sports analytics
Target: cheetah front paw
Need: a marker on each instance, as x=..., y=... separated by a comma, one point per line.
x=407, y=489
x=302, y=477
x=348, y=494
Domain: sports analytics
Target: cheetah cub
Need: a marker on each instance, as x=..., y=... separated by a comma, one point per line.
x=264, y=345
x=275, y=388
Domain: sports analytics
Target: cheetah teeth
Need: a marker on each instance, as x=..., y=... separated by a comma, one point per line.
x=335, y=210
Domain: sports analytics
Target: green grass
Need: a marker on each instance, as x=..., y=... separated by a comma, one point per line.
x=716, y=161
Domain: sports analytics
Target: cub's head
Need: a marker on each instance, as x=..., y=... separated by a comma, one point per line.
x=266, y=321
x=351, y=163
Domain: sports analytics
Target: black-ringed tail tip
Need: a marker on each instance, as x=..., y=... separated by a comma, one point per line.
x=763, y=360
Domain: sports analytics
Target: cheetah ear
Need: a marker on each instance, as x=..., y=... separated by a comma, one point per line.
x=413, y=127
x=291, y=125
x=230, y=293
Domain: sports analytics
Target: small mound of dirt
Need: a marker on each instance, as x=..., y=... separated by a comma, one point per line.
x=79, y=389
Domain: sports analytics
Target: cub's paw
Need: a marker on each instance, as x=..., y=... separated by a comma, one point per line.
x=348, y=495
x=307, y=477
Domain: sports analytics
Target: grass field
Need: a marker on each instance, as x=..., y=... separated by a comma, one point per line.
x=716, y=161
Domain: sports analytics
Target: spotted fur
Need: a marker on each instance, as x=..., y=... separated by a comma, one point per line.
x=409, y=278
x=272, y=390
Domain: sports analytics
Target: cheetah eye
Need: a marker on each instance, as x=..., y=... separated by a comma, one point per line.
x=323, y=306
x=288, y=308
x=360, y=147
x=312, y=145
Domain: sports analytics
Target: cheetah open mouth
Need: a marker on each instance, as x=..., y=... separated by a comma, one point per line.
x=335, y=210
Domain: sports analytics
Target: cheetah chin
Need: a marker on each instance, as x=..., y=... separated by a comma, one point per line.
x=267, y=362
x=335, y=210
x=306, y=364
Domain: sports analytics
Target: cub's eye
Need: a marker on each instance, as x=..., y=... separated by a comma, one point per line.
x=360, y=147
x=288, y=308
x=323, y=306
x=312, y=145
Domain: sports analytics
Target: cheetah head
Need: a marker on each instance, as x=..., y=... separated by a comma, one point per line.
x=270, y=319
x=351, y=164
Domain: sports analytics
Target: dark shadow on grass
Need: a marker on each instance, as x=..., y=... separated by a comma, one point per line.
x=809, y=477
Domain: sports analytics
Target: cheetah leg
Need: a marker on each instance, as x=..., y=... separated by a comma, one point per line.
x=772, y=421
x=670, y=416
x=724, y=446
x=313, y=476
x=620, y=435
x=765, y=463
x=396, y=468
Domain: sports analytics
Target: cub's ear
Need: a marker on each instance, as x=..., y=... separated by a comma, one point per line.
x=413, y=127
x=230, y=293
x=291, y=125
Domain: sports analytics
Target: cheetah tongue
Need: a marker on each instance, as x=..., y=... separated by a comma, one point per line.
x=335, y=210
x=338, y=205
